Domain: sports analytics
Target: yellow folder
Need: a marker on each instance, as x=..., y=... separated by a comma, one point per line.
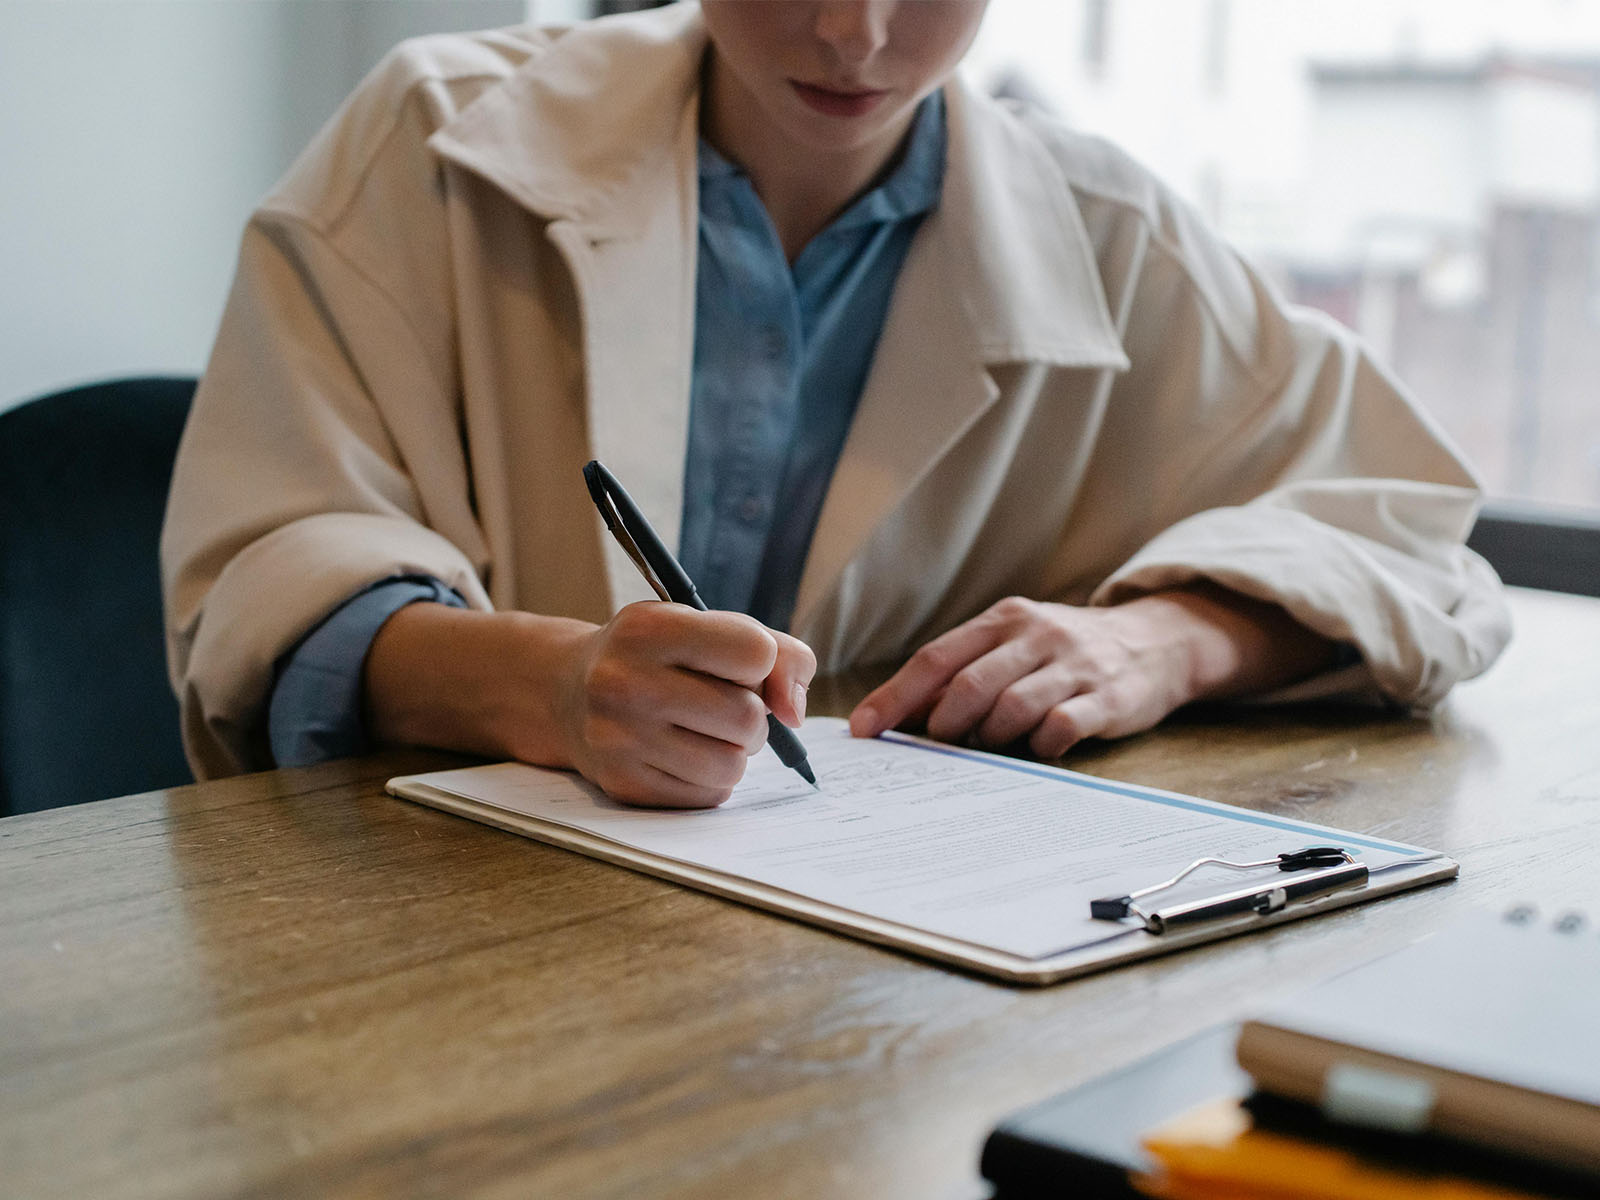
x=1215, y=1153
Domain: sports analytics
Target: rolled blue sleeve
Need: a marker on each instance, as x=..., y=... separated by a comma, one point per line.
x=315, y=711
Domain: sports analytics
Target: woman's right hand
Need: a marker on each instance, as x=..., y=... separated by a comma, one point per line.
x=665, y=704
x=661, y=706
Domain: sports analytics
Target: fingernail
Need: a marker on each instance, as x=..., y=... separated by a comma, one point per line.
x=797, y=696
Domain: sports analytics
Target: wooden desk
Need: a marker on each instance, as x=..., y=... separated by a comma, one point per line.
x=290, y=985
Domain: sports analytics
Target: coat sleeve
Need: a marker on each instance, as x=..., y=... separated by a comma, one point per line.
x=326, y=449
x=296, y=487
x=1297, y=471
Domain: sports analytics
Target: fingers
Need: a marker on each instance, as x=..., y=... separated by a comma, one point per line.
x=1052, y=673
x=916, y=687
x=649, y=747
x=723, y=645
x=1021, y=706
x=971, y=697
x=1068, y=723
x=648, y=786
x=784, y=690
x=674, y=700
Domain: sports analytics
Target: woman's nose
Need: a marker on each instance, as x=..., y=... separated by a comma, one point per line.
x=854, y=30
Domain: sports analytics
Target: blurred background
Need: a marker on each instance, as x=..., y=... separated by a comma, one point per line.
x=1426, y=170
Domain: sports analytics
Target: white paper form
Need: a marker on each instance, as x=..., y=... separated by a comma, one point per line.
x=996, y=852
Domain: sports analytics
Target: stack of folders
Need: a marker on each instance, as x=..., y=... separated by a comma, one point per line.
x=1464, y=1067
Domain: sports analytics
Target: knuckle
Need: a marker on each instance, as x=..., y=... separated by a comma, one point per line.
x=641, y=613
x=609, y=684
x=1053, y=737
x=1046, y=745
x=619, y=784
x=934, y=658
x=1013, y=609
x=747, y=641
x=751, y=718
x=1010, y=709
x=805, y=658
x=965, y=688
x=746, y=627
x=1058, y=636
x=1117, y=697
x=1061, y=724
x=727, y=768
x=763, y=645
x=944, y=726
x=594, y=731
x=713, y=797
x=638, y=625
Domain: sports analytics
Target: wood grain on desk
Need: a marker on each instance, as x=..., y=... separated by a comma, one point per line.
x=291, y=985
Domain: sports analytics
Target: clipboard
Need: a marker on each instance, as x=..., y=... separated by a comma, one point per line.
x=1024, y=801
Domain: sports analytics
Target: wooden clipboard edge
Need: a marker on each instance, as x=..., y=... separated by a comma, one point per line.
x=1120, y=946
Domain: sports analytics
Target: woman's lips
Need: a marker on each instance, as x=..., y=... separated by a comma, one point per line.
x=838, y=103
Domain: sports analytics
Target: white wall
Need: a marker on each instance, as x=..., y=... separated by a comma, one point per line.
x=135, y=137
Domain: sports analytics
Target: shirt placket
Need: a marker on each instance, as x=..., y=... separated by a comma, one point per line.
x=759, y=406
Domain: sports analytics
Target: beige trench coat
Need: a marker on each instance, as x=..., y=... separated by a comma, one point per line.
x=481, y=274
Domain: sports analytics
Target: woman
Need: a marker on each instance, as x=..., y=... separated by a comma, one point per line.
x=901, y=366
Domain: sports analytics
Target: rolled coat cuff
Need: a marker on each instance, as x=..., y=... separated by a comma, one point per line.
x=1421, y=610
x=315, y=711
x=266, y=600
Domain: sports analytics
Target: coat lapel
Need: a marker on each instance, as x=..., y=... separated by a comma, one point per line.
x=598, y=134
x=1001, y=272
x=636, y=295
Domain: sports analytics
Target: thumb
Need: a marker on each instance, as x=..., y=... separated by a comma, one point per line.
x=784, y=690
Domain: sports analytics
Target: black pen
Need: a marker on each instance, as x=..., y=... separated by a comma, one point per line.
x=628, y=525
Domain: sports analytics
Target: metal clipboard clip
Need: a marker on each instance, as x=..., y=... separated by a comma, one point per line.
x=1325, y=869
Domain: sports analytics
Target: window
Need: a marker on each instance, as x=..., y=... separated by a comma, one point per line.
x=1096, y=35
x=1428, y=171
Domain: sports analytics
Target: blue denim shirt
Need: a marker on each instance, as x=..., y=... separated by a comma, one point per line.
x=781, y=353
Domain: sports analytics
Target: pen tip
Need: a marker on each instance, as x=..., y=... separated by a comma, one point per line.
x=805, y=773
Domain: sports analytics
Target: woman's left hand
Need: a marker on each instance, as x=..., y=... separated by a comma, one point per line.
x=1056, y=674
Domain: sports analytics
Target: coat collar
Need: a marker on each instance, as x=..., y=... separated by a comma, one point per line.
x=589, y=129
x=1016, y=246
x=585, y=129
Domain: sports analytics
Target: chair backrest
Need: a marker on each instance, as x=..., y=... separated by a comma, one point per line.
x=85, y=708
x=1535, y=546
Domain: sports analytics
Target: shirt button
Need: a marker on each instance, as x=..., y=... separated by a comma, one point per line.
x=751, y=509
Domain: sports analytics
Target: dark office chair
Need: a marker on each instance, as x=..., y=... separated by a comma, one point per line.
x=1532, y=546
x=85, y=709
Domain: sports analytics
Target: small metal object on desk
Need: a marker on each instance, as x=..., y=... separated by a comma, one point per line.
x=1318, y=871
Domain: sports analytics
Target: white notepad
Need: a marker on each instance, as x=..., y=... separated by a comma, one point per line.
x=970, y=858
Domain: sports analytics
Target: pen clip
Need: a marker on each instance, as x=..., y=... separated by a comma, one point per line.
x=633, y=533
x=595, y=477
x=619, y=530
